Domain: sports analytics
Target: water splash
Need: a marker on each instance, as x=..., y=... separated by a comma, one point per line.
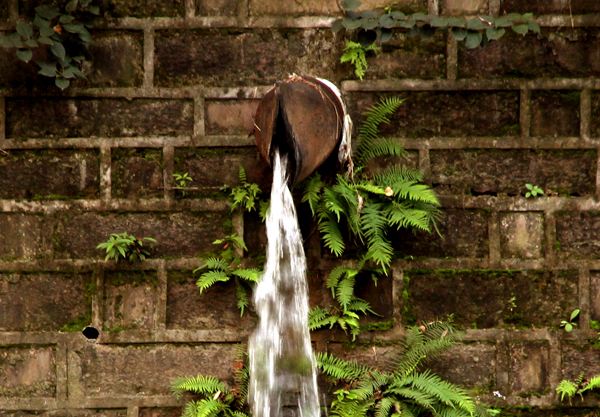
x=281, y=357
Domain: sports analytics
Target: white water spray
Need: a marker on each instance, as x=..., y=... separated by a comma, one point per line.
x=281, y=357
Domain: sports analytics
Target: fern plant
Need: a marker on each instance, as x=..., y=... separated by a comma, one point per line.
x=227, y=266
x=356, y=54
x=247, y=196
x=403, y=390
x=219, y=400
x=126, y=246
x=578, y=387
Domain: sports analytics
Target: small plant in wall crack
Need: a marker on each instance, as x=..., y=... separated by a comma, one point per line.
x=182, y=182
x=533, y=191
x=579, y=387
x=65, y=33
x=568, y=325
x=126, y=246
x=246, y=195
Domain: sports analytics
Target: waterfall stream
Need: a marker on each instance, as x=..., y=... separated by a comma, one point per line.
x=281, y=357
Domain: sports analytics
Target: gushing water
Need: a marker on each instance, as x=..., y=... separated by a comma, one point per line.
x=281, y=358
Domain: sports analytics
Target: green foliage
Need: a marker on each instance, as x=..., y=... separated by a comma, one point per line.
x=534, y=191
x=65, y=33
x=126, y=246
x=227, y=266
x=246, y=196
x=568, y=325
x=404, y=389
x=569, y=389
x=218, y=399
x=182, y=181
x=379, y=27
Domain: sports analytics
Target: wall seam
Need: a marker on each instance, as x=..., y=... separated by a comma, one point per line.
x=160, y=318
x=525, y=111
x=550, y=237
x=190, y=13
x=199, y=121
x=148, y=82
x=13, y=10
x=105, y=173
x=585, y=112
x=584, y=300
x=494, y=240
x=451, y=59
x=168, y=171
x=2, y=119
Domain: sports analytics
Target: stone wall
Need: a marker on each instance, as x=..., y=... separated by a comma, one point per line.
x=172, y=89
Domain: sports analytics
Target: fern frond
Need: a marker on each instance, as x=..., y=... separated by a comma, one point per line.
x=317, y=318
x=383, y=407
x=249, y=274
x=419, y=397
x=397, y=173
x=263, y=209
x=241, y=375
x=209, y=407
x=312, y=192
x=374, y=223
x=380, y=147
x=331, y=234
x=370, y=188
x=442, y=391
x=337, y=368
x=401, y=215
x=336, y=275
x=215, y=263
x=332, y=203
x=592, y=384
x=446, y=411
x=566, y=389
x=200, y=384
x=209, y=278
x=241, y=296
x=344, y=293
x=242, y=175
x=410, y=190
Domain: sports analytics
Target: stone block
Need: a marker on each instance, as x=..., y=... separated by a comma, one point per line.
x=465, y=235
x=130, y=300
x=16, y=73
x=27, y=371
x=470, y=364
x=211, y=168
x=464, y=7
x=503, y=171
x=215, y=308
x=20, y=236
x=229, y=117
x=238, y=57
x=538, y=7
x=323, y=8
x=50, y=174
x=578, y=357
x=595, y=116
x=563, y=52
x=217, y=8
x=381, y=357
x=65, y=118
x=555, y=113
x=121, y=8
x=492, y=298
x=96, y=412
x=161, y=412
x=529, y=368
x=137, y=173
x=595, y=296
x=44, y=301
x=522, y=235
x=177, y=234
x=578, y=235
x=141, y=370
x=428, y=114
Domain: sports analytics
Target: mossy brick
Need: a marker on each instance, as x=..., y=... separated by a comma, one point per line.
x=595, y=116
x=214, y=308
x=538, y=7
x=20, y=236
x=211, y=168
x=177, y=234
x=595, y=296
x=161, y=412
x=482, y=298
x=521, y=235
x=469, y=364
x=463, y=7
x=406, y=57
x=240, y=57
x=456, y=113
x=119, y=8
x=506, y=171
x=529, y=367
x=578, y=235
x=82, y=117
x=16, y=73
x=27, y=371
x=230, y=117
x=555, y=113
x=96, y=412
x=142, y=370
x=49, y=174
x=380, y=355
x=130, y=300
x=321, y=8
x=137, y=173
x=563, y=52
x=578, y=357
x=464, y=234
x=43, y=301
x=217, y=7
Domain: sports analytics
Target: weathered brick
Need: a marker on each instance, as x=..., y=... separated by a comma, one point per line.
x=177, y=234
x=465, y=234
x=237, y=57
x=16, y=73
x=555, y=113
x=426, y=114
x=120, y=8
x=148, y=369
x=578, y=235
x=51, y=174
x=319, y=7
x=215, y=308
x=595, y=296
x=137, y=173
x=20, y=236
x=97, y=412
x=27, y=371
x=463, y=7
x=595, y=119
x=522, y=235
x=217, y=7
x=580, y=357
x=43, y=301
x=500, y=171
x=161, y=412
x=470, y=364
x=381, y=357
x=130, y=299
x=482, y=298
x=228, y=117
x=538, y=7
x=211, y=168
x=529, y=367
x=562, y=52
x=64, y=118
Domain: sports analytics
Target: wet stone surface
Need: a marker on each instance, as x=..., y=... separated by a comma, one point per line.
x=27, y=371
x=577, y=235
x=137, y=173
x=529, y=367
x=538, y=7
x=472, y=365
x=521, y=235
x=120, y=8
x=130, y=299
x=555, y=113
x=21, y=236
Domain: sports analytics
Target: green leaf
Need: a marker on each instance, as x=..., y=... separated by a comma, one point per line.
x=574, y=314
x=387, y=21
x=439, y=22
x=31, y=43
x=47, y=11
x=421, y=17
x=515, y=17
x=24, y=30
x=459, y=34
x=66, y=18
x=94, y=10
x=351, y=23
x=502, y=22
x=47, y=31
x=350, y=4
x=476, y=24
x=46, y=40
x=41, y=22
x=74, y=28
x=49, y=70
x=369, y=23
x=337, y=26
x=68, y=73
x=460, y=22
x=71, y=6
x=15, y=38
x=5, y=42
x=521, y=29
x=568, y=327
x=62, y=83
x=85, y=36
x=492, y=33
x=527, y=16
x=473, y=39
x=59, y=50
x=398, y=15
x=24, y=54
x=534, y=27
